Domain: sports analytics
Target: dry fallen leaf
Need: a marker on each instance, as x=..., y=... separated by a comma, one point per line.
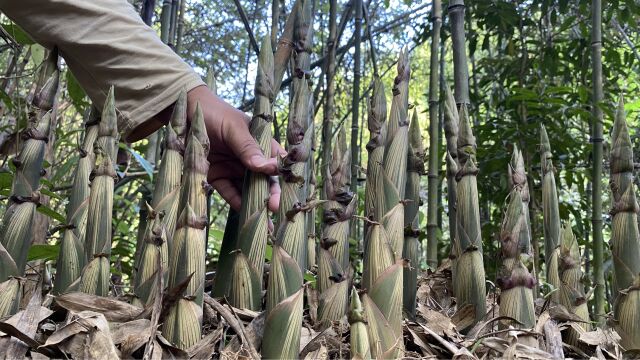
x=86, y=335
x=112, y=309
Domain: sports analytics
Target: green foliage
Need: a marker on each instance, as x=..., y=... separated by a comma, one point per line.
x=19, y=35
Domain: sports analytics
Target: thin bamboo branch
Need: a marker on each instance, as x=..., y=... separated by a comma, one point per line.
x=247, y=27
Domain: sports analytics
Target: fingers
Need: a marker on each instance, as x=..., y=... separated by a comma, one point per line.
x=246, y=149
x=229, y=192
x=277, y=149
x=274, y=194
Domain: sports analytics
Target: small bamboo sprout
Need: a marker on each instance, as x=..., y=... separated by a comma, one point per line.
x=244, y=253
x=469, y=283
x=514, y=279
x=333, y=262
x=72, y=257
x=360, y=348
x=625, y=238
x=182, y=326
x=551, y=214
x=411, y=251
x=572, y=294
x=518, y=180
x=16, y=231
x=164, y=204
x=96, y=274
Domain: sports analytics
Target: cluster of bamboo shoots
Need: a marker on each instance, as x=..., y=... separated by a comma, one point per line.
x=16, y=232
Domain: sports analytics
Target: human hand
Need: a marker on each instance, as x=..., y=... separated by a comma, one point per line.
x=233, y=149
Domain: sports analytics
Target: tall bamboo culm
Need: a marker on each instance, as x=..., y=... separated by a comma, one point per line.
x=434, y=140
x=16, y=231
x=596, y=176
x=625, y=238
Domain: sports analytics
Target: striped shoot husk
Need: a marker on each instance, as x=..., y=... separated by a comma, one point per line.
x=285, y=308
x=376, y=122
x=164, y=203
x=359, y=336
x=16, y=229
x=469, y=283
x=551, y=214
x=411, y=248
x=97, y=244
x=333, y=260
x=251, y=241
x=572, y=295
x=182, y=326
x=72, y=257
x=518, y=181
x=281, y=340
x=154, y=247
x=625, y=238
x=515, y=281
x=451, y=120
x=395, y=157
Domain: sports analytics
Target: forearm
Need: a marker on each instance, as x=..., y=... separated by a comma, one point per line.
x=105, y=43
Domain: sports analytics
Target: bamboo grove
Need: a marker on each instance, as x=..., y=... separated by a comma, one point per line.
x=352, y=250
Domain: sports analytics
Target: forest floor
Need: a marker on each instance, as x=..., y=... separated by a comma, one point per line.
x=78, y=325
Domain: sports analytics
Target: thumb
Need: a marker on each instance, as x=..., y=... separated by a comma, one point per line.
x=244, y=146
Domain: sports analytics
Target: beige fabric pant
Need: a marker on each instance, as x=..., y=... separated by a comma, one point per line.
x=105, y=43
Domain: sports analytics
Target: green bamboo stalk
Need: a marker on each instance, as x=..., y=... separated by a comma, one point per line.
x=355, y=102
x=154, y=247
x=551, y=214
x=572, y=294
x=596, y=176
x=434, y=140
x=182, y=326
x=72, y=257
x=625, y=237
x=411, y=247
x=96, y=274
x=469, y=283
